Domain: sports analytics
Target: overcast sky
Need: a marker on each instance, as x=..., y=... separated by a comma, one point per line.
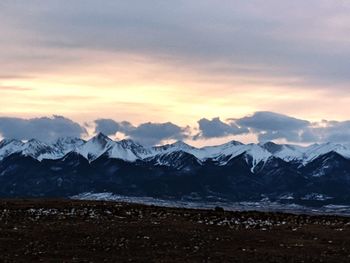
x=200, y=70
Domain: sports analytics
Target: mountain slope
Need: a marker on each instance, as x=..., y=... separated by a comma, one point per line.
x=232, y=171
x=131, y=151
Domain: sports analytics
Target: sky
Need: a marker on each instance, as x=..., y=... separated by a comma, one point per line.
x=155, y=71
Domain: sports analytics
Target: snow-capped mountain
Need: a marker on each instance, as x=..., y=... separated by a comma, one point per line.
x=128, y=150
x=285, y=152
x=131, y=151
x=176, y=159
x=8, y=147
x=314, y=151
x=68, y=144
x=177, y=146
x=33, y=148
x=95, y=147
x=40, y=150
x=221, y=153
x=232, y=171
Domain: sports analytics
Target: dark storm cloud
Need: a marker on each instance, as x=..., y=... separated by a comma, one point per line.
x=146, y=133
x=153, y=133
x=45, y=129
x=215, y=128
x=271, y=121
x=305, y=40
x=111, y=127
x=271, y=126
x=267, y=126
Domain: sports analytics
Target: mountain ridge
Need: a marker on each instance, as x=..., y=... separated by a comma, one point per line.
x=231, y=171
x=131, y=151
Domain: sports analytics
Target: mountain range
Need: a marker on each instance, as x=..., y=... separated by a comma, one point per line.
x=234, y=171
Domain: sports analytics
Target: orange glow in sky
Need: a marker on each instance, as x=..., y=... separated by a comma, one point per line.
x=138, y=90
x=165, y=62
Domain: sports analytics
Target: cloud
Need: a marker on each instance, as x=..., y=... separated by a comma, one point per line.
x=307, y=42
x=153, y=133
x=337, y=132
x=260, y=53
x=44, y=129
x=271, y=121
x=271, y=126
x=215, y=128
x=328, y=131
x=266, y=126
x=111, y=127
x=14, y=88
x=147, y=133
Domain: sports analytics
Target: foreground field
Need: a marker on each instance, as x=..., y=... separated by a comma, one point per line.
x=82, y=231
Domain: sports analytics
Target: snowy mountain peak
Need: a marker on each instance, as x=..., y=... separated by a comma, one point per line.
x=8, y=147
x=96, y=147
x=129, y=150
x=34, y=142
x=272, y=147
x=182, y=145
x=69, y=141
x=177, y=146
x=258, y=154
x=128, y=143
x=39, y=150
x=233, y=143
x=67, y=144
x=6, y=142
x=316, y=150
x=101, y=138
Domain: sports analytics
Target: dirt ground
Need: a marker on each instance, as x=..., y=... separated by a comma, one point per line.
x=81, y=231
